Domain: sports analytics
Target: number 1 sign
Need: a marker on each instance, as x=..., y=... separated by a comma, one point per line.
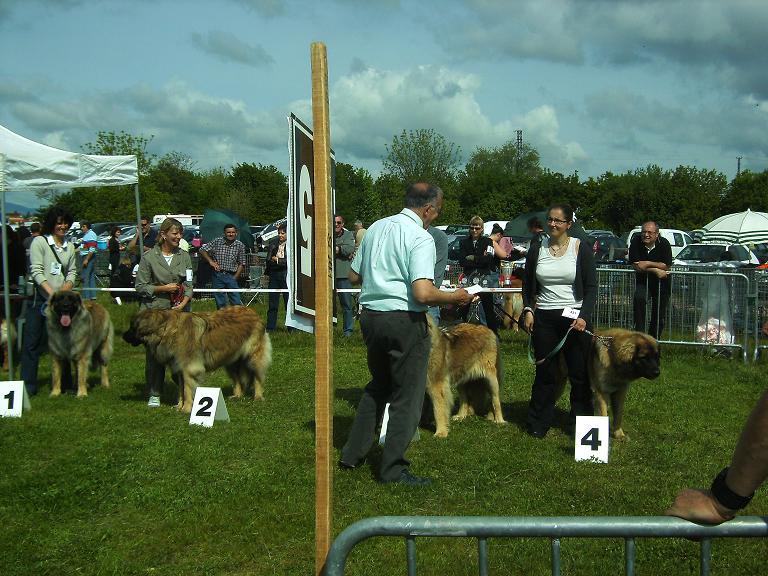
x=208, y=406
x=13, y=398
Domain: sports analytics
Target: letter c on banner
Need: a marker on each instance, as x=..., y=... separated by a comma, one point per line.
x=305, y=220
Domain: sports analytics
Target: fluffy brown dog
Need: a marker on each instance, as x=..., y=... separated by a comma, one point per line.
x=81, y=332
x=616, y=359
x=513, y=305
x=193, y=343
x=461, y=355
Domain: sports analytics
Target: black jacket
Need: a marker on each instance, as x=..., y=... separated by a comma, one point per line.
x=282, y=263
x=584, y=287
x=483, y=261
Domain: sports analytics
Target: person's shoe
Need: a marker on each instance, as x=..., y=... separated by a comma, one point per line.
x=154, y=402
x=347, y=466
x=410, y=480
x=535, y=432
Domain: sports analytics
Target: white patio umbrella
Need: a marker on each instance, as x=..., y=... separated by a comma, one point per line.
x=741, y=227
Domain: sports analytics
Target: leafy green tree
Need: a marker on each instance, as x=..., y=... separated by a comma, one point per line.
x=352, y=189
x=422, y=155
x=174, y=179
x=122, y=143
x=259, y=193
x=747, y=190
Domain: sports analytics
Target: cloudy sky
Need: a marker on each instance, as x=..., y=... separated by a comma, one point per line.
x=595, y=85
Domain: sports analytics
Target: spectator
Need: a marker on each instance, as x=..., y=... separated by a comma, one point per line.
x=359, y=232
x=396, y=263
x=277, y=270
x=148, y=237
x=477, y=257
x=502, y=245
x=164, y=281
x=441, y=261
x=559, y=294
x=344, y=249
x=53, y=267
x=88, y=261
x=35, y=230
x=651, y=257
x=733, y=488
x=226, y=256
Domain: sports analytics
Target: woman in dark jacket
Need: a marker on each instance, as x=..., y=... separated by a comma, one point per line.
x=277, y=270
x=478, y=258
x=559, y=295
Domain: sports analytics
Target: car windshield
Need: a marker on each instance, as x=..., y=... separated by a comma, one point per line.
x=713, y=253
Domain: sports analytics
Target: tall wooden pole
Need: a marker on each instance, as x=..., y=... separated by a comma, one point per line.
x=323, y=286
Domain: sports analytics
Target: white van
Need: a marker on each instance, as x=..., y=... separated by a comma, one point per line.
x=185, y=219
x=677, y=238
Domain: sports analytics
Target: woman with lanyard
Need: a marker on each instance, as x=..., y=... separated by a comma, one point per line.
x=477, y=256
x=559, y=295
x=163, y=281
x=52, y=267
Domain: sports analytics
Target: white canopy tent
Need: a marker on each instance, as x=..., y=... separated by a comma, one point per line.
x=26, y=165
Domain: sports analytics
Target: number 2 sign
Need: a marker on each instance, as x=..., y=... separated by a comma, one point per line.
x=591, y=438
x=13, y=398
x=208, y=406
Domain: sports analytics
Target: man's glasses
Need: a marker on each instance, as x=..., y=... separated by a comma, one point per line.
x=649, y=232
x=556, y=221
x=338, y=222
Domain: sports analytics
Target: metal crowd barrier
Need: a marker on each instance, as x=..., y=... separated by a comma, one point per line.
x=483, y=527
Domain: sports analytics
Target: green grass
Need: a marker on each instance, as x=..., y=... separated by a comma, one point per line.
x=105, y=485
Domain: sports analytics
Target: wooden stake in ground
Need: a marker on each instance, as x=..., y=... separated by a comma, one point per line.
x=323, y=284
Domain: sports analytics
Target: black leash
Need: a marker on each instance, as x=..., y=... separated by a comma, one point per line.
x=501, y=309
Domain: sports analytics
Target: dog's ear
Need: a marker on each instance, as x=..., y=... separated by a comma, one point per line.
x=624, y=349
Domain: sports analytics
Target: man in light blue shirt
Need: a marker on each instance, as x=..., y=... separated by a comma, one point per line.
x=88, y=257
x=396, y=262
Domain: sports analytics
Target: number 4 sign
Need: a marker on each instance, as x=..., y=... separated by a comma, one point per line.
x=591, y=438
x=13, y=398
x=208, y=406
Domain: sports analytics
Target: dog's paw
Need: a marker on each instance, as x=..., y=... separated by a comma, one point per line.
x=258, y=396
x=619, y=435
x=458, y=417
x=55, y=392
x=82, y=394
x=441, y=434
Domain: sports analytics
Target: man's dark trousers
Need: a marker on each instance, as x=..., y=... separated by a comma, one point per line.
x=398, y=354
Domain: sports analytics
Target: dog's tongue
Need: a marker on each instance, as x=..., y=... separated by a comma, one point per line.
x=65, y=320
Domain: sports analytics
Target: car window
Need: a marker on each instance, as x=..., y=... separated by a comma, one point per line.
x=687, y=238
x=678, y=239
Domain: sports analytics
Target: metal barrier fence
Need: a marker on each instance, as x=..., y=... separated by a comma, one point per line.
x=484, y=527
x=706, y=308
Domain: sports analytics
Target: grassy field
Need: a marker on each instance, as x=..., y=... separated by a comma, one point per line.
x=105, y=485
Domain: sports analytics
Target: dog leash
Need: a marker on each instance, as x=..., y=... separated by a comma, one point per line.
x=604, y=340
x=507, y=314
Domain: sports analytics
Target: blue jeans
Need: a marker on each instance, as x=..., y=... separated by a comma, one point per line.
x=89, y=279
x=345, y=298
x=225, y=280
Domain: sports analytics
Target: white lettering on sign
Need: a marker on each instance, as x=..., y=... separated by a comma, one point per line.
x=305, y=195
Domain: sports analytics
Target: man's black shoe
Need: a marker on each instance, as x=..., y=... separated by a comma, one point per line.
x=346, y=466
x=410, y=480
x=536, y=433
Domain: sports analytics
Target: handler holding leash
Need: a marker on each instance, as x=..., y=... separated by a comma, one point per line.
x=561, y=282
x=164, y=281
x=396, y=263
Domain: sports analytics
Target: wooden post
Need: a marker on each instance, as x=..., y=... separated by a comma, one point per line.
x=323, y=293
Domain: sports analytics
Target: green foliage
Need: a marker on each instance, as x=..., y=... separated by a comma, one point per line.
x=748, y=190
x=104, y=485
x=422, y=155
x=353, y=187
x=258, y=193
x=122, y=143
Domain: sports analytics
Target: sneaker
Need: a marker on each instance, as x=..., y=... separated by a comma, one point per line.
x=154, y=402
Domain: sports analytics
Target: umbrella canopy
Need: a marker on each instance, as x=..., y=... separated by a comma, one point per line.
x=518, y=227
x=741, y=227
x=213, y=223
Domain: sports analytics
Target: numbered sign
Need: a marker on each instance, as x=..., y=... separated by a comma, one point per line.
x=591, y=438
x=208, y=406
x=13, y=398
x=385, y=421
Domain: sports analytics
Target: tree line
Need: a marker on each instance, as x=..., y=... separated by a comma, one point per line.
x=496, y=183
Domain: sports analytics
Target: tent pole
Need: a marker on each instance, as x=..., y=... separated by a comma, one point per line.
x=139, y=231
x=6, y=280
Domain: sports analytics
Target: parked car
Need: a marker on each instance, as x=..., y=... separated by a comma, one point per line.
x=597, y=233
x=761, y=251
x=457, y=229
x=710, y=252
x=608, y=248
x=677, y=238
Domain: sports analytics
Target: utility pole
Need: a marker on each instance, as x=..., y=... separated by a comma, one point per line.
x=738, y=165
x=519, y=145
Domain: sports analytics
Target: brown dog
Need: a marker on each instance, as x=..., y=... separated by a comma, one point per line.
x=616, y=359
x=461, y=355
x=81, y=332
x=193, y=343
x=7, y=339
